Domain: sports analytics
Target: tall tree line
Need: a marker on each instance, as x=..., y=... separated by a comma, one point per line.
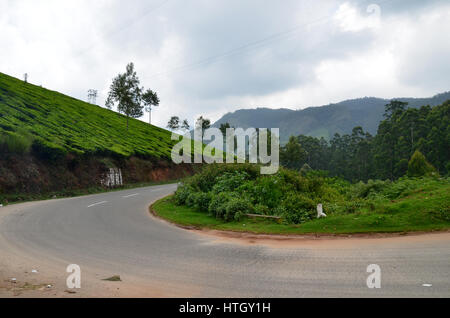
x=361, y=156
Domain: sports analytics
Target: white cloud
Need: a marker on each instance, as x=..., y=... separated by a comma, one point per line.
x=334, y=51
x=349, y=19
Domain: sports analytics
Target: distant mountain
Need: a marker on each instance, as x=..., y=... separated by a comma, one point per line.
x=323, y=121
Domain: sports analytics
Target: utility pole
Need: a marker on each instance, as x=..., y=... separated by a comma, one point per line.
x=25, y=76
x=92, y=96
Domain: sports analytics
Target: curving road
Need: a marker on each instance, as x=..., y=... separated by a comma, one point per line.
x=114, y=234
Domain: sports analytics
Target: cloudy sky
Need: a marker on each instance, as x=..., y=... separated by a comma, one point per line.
x=210, y=57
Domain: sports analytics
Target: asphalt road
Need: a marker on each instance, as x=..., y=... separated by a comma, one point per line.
x=114, y=234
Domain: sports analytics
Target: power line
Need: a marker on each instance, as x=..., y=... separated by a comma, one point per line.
x=125, y=26
x=251, y=45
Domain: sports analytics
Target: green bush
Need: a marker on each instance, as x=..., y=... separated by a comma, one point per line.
x=218, y=205
x=364, y=190
x=191, y=199
x=230, y=181
x=207, y=178
x=202, y=201
x=230, y=191
x=297, y=208
x=182, y=194
x=236, y=208
x=268, y=191
x=263, y=210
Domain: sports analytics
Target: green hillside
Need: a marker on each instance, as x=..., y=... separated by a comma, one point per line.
x=59, y=123
x=324, y=121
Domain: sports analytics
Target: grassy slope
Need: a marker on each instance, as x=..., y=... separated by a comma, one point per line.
x=75, y=126
x=424, y=210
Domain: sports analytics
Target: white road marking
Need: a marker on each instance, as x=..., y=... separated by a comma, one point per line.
x=90, y=206
x=131, y=195
x=427, y=285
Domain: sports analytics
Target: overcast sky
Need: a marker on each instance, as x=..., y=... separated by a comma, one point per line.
x=210, y=57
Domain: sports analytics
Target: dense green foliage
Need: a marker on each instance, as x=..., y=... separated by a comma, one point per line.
x=56, y=124
x=361, y=156
x=229, y=192
x=418, y=166
x=409, y=204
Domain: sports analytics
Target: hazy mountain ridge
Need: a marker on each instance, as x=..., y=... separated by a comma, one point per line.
x=323, y=121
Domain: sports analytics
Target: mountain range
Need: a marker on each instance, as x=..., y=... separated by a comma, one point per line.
x=323, y=121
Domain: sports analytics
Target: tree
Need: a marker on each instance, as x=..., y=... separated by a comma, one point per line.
x=126, y=92
x=203, y=124
x=174, y=123
x=223, y=128
x=150, y=99
x=185, y=125
x=292, y=155
x=394, y=108
x=419, y=166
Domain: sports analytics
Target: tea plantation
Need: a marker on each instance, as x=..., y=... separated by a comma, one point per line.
x=53, y=123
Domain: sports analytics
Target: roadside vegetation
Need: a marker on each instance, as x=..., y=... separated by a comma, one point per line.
x=220, y=197
x=364, y=183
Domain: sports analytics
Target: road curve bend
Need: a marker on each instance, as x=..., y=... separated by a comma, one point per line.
x=114, y=234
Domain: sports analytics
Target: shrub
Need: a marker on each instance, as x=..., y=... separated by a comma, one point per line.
x=202, y=201
x=268, y=191
x=297, y=208
x=182, y=194
x=236, y=208
x=230, y=181
x=207, y=178
x=364, y=190
x=191, y=198
x=262, y=210
x=217, y=206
